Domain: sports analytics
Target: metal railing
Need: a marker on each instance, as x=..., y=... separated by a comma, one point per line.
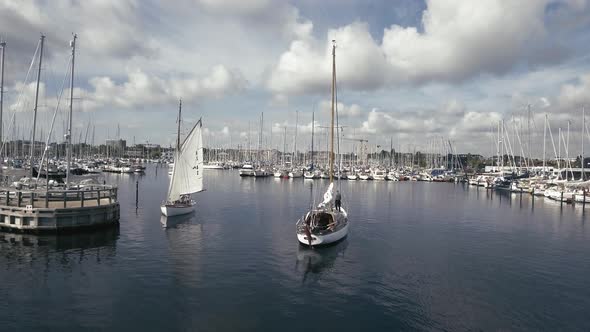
x=84, y=196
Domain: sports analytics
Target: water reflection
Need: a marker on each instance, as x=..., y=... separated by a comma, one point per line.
x=175, y=221
x=317, y=261
x=46, y=252
x=184, y=235
x=106, y=237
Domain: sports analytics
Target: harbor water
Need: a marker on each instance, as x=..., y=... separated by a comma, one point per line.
x=419, y=256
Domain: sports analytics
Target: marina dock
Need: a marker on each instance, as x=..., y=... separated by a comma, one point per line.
x=58, y=210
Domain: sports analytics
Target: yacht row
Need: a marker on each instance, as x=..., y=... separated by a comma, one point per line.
x=369, y=173
x=556, y=188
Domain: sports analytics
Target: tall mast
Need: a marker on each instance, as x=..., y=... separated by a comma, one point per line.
x=312, y=129
x=32, y=151
x=178, y=133
x=544, y=143
x=583, y=132
x=69, y=135
x=559, y=151
x=295, y=157
x=3, y=46
x=530, y=154
x=258, y=153
x=284, y=145
x=498, y=146
x=332, y=110
x=391, y=152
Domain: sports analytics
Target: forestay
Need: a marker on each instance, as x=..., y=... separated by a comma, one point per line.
x=187, y=174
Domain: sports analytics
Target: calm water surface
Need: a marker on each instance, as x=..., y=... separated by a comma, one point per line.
x=419, y=256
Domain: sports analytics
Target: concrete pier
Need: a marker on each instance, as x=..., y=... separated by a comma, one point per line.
x=43, y=210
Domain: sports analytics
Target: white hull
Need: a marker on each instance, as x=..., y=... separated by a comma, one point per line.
x=317, y=240
x=310, y=175
x=247, y=172
x=171, y=211
x=126, y=170
x=259, y=173
x=213, y=166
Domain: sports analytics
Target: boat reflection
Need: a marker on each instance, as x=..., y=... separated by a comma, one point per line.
x=318, y=260
x=184, y=235
x=175, y=221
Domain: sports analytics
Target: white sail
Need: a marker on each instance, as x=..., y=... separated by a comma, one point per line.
x=328, y=196
x=187, y=174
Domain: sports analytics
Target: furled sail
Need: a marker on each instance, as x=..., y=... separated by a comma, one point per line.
x=187, y=174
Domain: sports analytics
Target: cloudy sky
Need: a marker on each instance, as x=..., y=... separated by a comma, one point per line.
x=408, y=70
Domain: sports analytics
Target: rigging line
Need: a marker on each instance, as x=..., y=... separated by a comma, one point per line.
x=52, y=77
x=21, y=93
x=52, y=124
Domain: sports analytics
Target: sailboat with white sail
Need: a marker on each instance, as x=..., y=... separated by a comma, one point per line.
x=328, y=222
x=187, y=172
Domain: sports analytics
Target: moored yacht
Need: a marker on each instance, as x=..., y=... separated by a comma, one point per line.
x=247, y=170
x=379, y=175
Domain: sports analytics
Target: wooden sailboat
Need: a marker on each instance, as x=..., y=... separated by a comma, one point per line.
x=187, y=172
x=328, y=222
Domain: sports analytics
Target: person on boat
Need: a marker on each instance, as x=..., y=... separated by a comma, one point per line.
x=184, y=199
x=338, y=200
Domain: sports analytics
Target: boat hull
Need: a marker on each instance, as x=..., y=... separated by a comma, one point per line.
x=171, y=210
x=213, y=166
x=247, y=173
x=326, y=239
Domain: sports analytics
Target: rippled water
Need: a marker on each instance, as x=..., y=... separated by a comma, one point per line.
x=419, y=256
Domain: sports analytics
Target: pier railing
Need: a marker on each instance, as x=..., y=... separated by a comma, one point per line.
x=86, y=196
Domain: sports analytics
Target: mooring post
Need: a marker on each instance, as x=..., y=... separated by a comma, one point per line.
x=19, y=196
x=47, y=199
x=561, y=198
x=136, y=193
x=98, y=197
x=65, y=197
x=82, y=199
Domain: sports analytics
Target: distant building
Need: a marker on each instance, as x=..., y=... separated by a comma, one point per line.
x=117, y=144
x=143, y=151
x=116, y=147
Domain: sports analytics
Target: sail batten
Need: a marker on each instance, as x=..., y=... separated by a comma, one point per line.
x=187, y=174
